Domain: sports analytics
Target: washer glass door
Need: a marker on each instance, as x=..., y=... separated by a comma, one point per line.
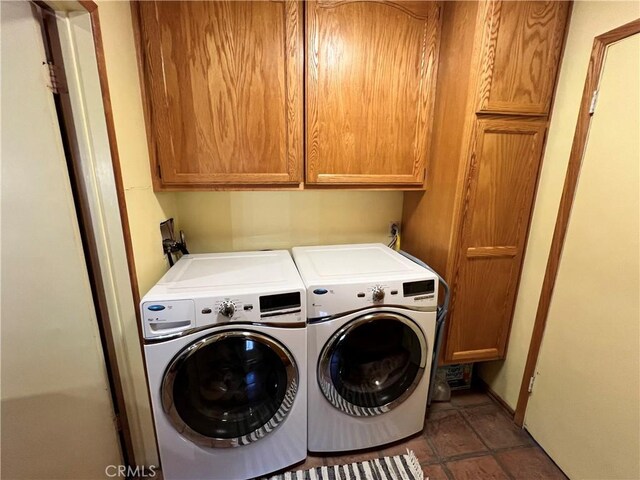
x=229, y=388
x=372, y=364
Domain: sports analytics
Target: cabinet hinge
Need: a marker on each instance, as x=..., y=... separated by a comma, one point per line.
x=159, y=171
x=594, y=101
x=531, y=380
x=56, y=80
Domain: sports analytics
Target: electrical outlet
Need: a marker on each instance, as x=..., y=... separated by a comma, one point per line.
x=394, y=227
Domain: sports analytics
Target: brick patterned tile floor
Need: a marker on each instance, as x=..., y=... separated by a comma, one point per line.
x=469, y=438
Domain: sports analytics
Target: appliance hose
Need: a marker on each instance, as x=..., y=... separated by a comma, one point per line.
x=441, y=317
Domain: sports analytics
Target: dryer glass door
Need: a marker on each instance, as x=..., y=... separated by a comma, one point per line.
x=372, y=364
x=230, y=388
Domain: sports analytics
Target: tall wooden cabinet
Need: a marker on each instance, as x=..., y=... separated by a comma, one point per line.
x=222, y=83
x=370, y=73
x=494, y=91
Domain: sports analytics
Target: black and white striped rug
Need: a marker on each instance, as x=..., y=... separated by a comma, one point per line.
x=399, y=467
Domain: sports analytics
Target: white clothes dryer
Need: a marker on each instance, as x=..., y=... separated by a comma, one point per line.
x=225, y=348
x=371, y=328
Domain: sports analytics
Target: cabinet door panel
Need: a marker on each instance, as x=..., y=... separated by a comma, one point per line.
x=223, y=83
x=479, y=322
x=503, y=174
x=522, y=43
x=370, y=71
x=504, y=168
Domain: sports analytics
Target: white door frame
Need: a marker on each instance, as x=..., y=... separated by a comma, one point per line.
x=78, y=26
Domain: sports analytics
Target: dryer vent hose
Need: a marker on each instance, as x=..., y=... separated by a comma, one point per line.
x=440, y=320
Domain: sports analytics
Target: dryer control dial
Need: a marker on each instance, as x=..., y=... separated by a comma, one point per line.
x=377, y=293
x=227, y=308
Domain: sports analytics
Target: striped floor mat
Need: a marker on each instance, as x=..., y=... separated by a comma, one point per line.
x=399, y=467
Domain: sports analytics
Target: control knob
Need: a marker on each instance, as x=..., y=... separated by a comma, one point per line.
x=227, y=309
x=377, y=293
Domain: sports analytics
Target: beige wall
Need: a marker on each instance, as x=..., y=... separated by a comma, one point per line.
x=588, y=20
x=226, y=221
x=57, y=414
x=145, y=208
x=585, y=406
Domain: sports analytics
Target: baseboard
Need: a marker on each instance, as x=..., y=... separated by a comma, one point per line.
x=484, y=387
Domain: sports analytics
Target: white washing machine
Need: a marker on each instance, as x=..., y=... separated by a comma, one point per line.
x=225, y=347
x=371, y=328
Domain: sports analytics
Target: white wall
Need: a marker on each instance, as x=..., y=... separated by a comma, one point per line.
x=588, y=19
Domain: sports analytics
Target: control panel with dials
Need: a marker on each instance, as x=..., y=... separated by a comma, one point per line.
x=175, y=316
x=331, y=300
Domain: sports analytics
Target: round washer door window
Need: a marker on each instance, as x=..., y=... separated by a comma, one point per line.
x=230, y=388
x=372, y=364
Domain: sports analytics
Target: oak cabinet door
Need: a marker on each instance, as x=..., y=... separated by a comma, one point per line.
x=504, y=168
x=222, y=83
x=521, y=47
x=370, y=73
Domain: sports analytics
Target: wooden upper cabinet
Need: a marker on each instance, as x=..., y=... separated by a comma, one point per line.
x=370, y=71
x=222, y=83
x=521, y=48
x=499, y=197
